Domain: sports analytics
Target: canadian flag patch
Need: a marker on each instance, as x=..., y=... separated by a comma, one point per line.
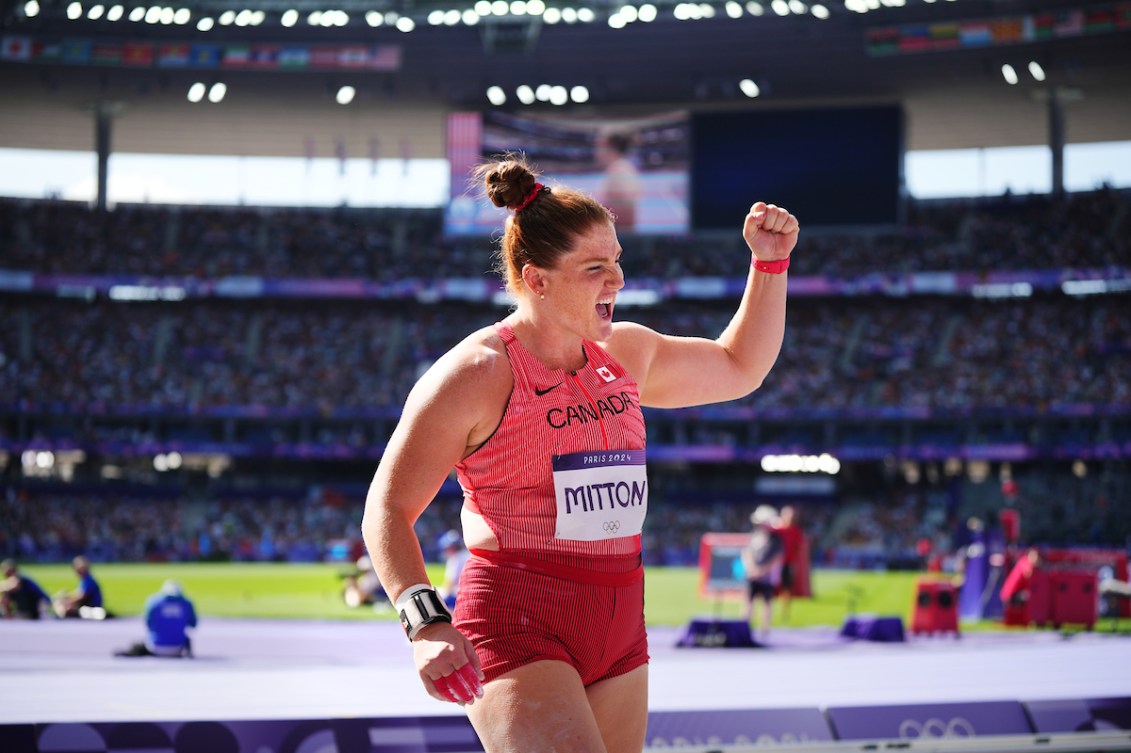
x=606, y=373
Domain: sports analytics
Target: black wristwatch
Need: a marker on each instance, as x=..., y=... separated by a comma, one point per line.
x=422, y=606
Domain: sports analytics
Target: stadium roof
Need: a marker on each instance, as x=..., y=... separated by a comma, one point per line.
x=943, y=60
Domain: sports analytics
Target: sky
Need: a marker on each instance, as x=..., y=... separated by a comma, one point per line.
x=279, y=181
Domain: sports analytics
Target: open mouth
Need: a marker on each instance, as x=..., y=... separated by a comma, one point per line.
x=605, y=309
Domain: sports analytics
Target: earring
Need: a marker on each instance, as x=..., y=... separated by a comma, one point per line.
x=542, y=296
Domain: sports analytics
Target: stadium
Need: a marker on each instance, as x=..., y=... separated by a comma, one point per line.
x=233, y=236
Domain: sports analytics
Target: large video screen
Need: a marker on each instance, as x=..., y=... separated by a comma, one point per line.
x=830, y=166
x=637, y=167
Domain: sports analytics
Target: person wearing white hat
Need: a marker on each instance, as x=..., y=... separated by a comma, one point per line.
x=762, y=561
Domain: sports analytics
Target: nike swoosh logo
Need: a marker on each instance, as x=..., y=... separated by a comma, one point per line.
x=540, y=393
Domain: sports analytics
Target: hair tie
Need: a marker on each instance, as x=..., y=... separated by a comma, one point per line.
x=529, y=198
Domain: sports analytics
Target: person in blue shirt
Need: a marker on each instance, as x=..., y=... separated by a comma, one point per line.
x=86, y=600
x=169, y=615
x=20, y=596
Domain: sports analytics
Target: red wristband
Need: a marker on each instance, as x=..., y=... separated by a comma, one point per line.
x=772, y=267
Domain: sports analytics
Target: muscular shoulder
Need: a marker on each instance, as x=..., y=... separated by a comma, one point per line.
x=470, y=383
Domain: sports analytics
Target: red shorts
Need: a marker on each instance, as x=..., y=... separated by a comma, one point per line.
x=517, y=611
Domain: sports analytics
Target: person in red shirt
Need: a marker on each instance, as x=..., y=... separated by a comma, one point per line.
x=791, y=537
x=1015, y=589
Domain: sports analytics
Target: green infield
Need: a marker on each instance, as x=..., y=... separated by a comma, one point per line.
x=313, y=591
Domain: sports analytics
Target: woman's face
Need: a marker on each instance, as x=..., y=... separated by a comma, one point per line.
x=582, y=288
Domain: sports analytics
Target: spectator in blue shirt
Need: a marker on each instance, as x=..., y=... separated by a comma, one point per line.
x=86, y=600
x=169, y=615
x=20, y=596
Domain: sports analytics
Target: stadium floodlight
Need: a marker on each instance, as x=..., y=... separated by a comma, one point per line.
x=168, y=15
x=228, y=17
x=558, y=95
x=153, y=15
x=552, y=15
x=525, y=94
x=733, y=9
x=755, y=8
x=781, y=7
x=500, y=7
x=616, y=21
x=629, y=13
x=374, y=18
x=289, y=18
x=1036, y=71
x=749, y=87
x=258, y=17
x=1009, y=74
x=518, y=7
x=74, y=11
x=647, y=13
x=405, y=24
x=182, y=16
x=115, y=13
x=542, y=93
x=819, y=11
x=205, y=24
x=160, y=463
x=345, y=95
x=95, y=12
x=174, y=460
x=682, y=12
x=469, y=17
x=586, y=15
x=496, y=95
x=196, y=92
x=569, y=15
x=452, y=17
x=535, y=7
x=435, y=18
x=483, y=7
x=579, y=94
x=137, y=14
x=243, y=18
x=217, y=92
x=31, y=8
x=798, y=7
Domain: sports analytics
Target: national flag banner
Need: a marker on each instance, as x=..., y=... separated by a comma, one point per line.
x=385, y=57
x=174, y=55
x=293, y=58
x=264, y=56
x=324, y=57
x=237, y=56
x=353, y=57
x=15, y=48
x=76, y=51
x=137, y=54
x=1006, y=30
x=205, y=55
x=975, y=34
x=1098, y=20
x=914, y=38
x=106, y=53
x=882, y=41
x=1043, y=26
x=47, y=52
x=944, y=36
x=1068, y=23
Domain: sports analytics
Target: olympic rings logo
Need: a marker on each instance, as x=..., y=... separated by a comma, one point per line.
x=911, y=729
x=611, y=526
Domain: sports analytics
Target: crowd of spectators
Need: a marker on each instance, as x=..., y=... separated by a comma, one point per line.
x=321, y=357
x=1081, y=230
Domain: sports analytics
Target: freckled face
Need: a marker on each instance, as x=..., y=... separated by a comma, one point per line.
x=583, y=286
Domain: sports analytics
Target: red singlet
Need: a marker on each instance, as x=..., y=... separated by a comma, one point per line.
x=542, y=597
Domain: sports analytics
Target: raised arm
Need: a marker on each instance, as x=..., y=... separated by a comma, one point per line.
x=675, y=372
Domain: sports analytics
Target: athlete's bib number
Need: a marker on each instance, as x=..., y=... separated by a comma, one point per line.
x=600, y=495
